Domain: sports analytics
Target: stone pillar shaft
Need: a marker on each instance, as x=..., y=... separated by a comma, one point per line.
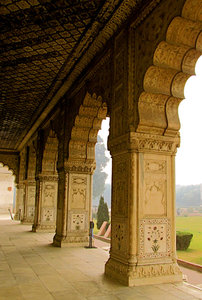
x=74, y=207
x=143, y=210
x=45, y=203
x=29, y=203
x=19, y=205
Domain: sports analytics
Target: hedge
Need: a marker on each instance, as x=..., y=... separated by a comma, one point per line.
x=183, y=240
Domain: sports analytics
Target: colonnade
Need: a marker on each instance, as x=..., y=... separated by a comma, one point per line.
x=138, y=82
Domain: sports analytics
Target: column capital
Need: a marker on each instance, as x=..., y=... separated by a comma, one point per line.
x=76, y=166
x=47, y=177
x=143, y=142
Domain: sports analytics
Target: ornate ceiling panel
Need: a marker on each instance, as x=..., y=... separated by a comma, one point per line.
x=40, y=43
x=37, y=36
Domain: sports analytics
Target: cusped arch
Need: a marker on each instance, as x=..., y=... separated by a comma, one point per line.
x=86, y=126
x=50, y=153
x=11, y=161
x=31, y=162
x=174, y=62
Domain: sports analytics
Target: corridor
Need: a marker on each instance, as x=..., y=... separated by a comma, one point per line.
x=31, y=268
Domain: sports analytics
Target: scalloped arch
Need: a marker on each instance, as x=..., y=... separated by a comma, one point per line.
x=50, y=153
x=174, y=62
x=12, y=162
x=86, y=126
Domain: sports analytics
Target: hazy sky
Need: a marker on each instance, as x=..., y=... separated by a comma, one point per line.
x=189, y=155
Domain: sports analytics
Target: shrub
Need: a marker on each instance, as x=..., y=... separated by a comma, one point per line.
x=183, y=240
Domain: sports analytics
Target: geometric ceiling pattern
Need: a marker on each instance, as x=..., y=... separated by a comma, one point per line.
x=36, y=38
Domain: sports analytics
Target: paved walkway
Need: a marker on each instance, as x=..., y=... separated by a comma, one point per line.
x=31, y=268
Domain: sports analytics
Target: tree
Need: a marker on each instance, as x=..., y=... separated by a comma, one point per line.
x=99, y=176
x=102, y=213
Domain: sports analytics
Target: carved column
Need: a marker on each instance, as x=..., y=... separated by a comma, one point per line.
x=20, y=189
x=46, y=203
x=30, y=187
x=46, y=183
x=143, y=210
x=19, y=204
x=74, y=205
x=29, y=201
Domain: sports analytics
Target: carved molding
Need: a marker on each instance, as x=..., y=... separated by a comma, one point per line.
x=79, y=167
x=130, y=273
x=42, y=177
x=143, y=142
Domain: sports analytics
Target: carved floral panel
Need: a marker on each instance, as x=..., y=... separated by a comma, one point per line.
x=48, y=214
x=30, y=211
x=77, y=222
x=119, y=237
x=155, y=238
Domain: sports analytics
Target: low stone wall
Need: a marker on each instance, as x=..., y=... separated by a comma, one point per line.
x=190, y=265
x=102, y=238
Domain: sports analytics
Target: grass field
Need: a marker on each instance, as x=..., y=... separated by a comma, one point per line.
x=193, y=225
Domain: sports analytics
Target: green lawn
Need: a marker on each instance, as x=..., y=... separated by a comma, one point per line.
x=193, y=225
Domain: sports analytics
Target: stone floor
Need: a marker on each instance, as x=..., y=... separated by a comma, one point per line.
x=31, y=268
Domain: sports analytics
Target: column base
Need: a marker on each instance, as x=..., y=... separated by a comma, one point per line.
x=70, y=241
x=134, y=275
x=27, y=222
x=16, y=217
x=43, y=228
